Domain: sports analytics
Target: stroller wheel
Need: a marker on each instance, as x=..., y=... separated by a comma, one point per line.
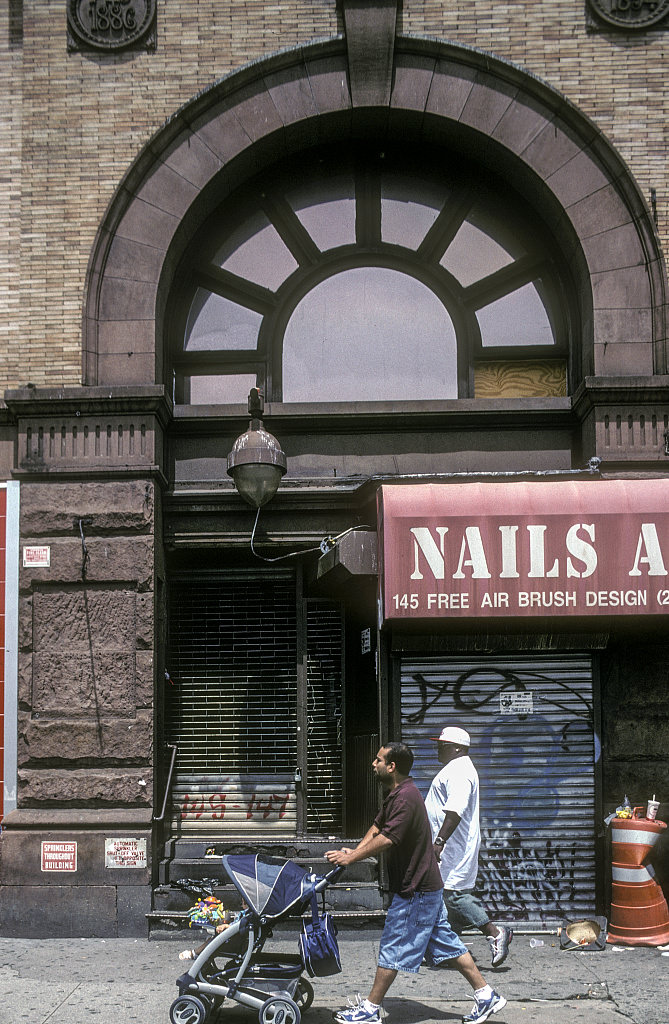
x=304, y=995
x=188, y=1010
x=279, y=1010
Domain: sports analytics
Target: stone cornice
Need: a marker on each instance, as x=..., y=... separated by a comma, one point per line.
x=323, y=417
x=624, y=419
x=629, y=390
x=89, y=430
x=73, y=401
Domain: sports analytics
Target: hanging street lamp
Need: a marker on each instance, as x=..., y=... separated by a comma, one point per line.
x=256, y=462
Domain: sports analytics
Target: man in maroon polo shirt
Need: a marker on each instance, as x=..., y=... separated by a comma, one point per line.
x=416, y=925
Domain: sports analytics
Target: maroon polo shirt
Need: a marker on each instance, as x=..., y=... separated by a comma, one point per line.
x=412, y=865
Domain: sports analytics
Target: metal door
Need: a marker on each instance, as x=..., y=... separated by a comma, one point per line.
x=530, y=718
x=259, y=740
x=231, y=704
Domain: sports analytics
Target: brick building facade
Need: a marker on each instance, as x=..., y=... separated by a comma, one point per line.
x=175, y=223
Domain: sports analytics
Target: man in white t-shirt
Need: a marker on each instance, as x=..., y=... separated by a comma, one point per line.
x=453, y=810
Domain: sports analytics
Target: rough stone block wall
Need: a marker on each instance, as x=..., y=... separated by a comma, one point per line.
x=635, y=723
x=86, y=663
x=75, y=122
x=635, y=732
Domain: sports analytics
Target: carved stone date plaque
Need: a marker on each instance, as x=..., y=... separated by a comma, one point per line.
x=110, y=25
x=629, y=14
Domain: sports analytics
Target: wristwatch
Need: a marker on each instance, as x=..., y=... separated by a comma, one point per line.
x=439, y=841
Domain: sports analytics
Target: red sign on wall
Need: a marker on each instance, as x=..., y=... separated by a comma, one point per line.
x=521, y=550
x=59, y=856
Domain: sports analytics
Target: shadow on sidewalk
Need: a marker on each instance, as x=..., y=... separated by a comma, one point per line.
x=400, y=1011
x=414, y=1012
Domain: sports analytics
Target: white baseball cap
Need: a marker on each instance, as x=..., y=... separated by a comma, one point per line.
x=451, y=734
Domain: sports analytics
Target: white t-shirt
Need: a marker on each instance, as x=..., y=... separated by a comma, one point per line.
x=456, y=788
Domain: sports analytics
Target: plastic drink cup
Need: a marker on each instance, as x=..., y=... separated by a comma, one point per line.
x=651, y=810
x=535, y=943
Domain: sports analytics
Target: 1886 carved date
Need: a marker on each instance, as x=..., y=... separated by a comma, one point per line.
x=111, y=24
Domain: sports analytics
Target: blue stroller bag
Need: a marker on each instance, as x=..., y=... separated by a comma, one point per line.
x=318, y=944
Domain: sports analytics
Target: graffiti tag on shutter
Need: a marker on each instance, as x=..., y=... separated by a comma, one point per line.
x=238, y=801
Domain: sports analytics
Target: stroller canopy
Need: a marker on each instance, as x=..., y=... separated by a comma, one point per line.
x=270, y=886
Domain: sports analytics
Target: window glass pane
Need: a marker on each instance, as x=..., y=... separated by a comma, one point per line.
x=369, y=334
x=215, y=389
x=472, y=255
x=409, y=208
x=483, y=244
x=257, y=252
x=215, y=323
x=519, y=318
x=327, y=211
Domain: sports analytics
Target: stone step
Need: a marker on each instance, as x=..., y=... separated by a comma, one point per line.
x=174, y=923
x=188, y=847
x=181, y=866
x=340, y=897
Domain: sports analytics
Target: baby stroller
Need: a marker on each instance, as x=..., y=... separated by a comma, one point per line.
x=270, y=983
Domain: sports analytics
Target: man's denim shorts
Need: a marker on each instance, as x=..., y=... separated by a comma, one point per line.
x=417, y=929
x=464, y=910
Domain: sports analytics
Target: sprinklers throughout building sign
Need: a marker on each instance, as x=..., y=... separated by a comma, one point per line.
x=59, y=856
x=523, y=550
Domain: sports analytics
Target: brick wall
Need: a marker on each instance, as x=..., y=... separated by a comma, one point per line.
x=10, y=175
x=84, y=119
x=74, y=122
x=618, y=79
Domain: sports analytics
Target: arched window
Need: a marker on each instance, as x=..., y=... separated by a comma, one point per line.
x=369, y=277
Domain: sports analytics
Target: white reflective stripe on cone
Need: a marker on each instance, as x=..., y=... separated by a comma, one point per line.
x=632, y=874
x=634, y=836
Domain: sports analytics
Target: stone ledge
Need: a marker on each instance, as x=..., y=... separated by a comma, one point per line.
x=33, y=401
x=89, y=818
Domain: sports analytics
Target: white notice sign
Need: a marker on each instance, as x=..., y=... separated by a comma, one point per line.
x=514, y=702
x=37, y=557
x=125, y=853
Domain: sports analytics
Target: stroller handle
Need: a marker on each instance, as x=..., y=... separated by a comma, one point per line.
x=328, y=878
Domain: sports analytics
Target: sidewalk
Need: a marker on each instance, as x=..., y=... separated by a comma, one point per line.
x=132, y=981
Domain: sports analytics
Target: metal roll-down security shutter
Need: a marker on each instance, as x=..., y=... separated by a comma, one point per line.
x=532, y=740
x=324, y=712
x=231, y=702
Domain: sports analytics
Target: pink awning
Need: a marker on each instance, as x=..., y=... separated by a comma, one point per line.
x=541, y=549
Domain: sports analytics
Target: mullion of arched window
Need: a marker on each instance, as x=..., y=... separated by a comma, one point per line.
x=293, y=233
x=440, y=236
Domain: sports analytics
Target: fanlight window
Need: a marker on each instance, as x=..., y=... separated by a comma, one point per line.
x=350, y=332
x=369, y=279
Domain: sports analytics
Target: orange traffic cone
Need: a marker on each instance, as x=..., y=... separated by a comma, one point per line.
x=639, y=912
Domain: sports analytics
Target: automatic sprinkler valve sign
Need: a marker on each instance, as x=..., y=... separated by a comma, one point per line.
x=125, y=853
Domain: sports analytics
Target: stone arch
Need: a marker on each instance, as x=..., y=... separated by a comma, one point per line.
x=467, y=99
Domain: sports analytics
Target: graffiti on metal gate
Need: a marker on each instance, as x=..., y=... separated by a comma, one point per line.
x=259, y=806
x=526, y=877
x=466, y=693
x=533, y=743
